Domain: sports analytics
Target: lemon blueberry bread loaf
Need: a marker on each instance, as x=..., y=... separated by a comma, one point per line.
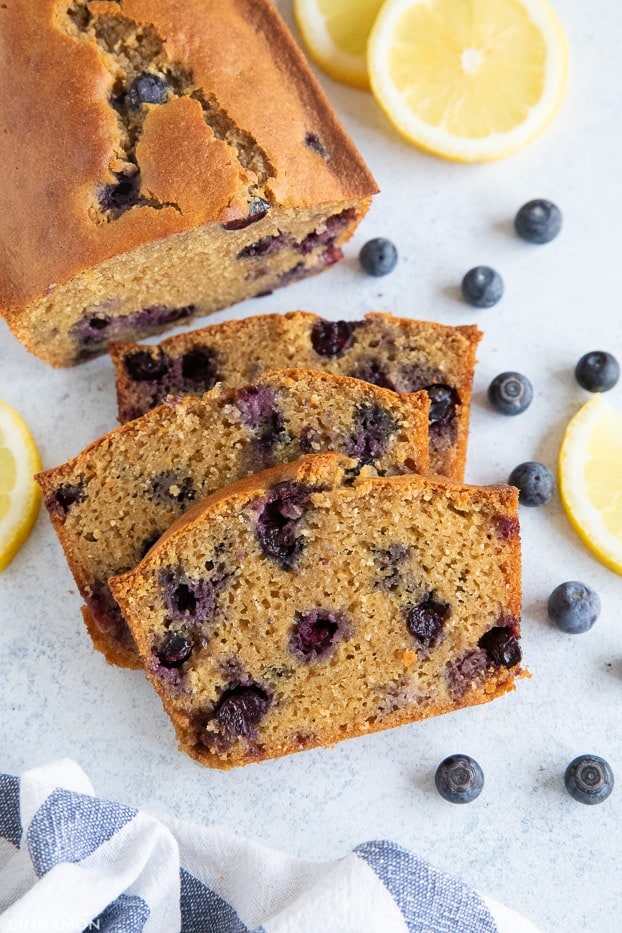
x=401, y=354
x=306, y=604
x=111, y=502
x=160, y=160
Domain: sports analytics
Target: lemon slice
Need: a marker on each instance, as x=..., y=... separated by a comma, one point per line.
x=335, y=33
x=470, y=80
x=590, y=479
x=20, y=496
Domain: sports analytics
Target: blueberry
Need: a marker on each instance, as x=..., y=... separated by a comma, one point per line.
x=378, y=256
x=589, y=779
x=146, y=89
x=573, y=607
x=459, y=779
x=237, y=715
x=535, y=483
x=482, y=287
x=501, y=645
x=187, y=600
x=425, y=621
x=257, y=210
x=171, y=486
x=146, y=365
x=66, y=495
x=313, y=141
x=443, y=402
x=373, y=426
x=198, y=368
x=316, y=634
x=597, y=371
x=259, y=412
x=467, y=670
x=332, y=338
x=278, y=520
x=510, y=393
x=538, y=221
x=174, y=649
x=371, y=370
x=122, y=195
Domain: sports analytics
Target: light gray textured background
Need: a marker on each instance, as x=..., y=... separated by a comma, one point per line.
x=524, y=841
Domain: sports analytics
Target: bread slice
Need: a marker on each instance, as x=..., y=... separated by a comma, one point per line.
x=396, y=353
x=308, y=604
x=111, y=502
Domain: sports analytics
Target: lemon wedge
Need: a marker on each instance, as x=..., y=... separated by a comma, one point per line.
x=590, y=479
x=20, y=496
x=470, y=80
x=335, y=33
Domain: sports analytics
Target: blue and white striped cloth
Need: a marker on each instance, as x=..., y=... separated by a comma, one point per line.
x=73, y=862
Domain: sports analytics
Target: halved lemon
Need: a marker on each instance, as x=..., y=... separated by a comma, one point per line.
x=335, y=33
x=20, y=496
x=590, y=479
x=470, y=80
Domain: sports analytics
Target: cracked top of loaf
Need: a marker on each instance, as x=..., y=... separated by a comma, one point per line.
x=228, y=121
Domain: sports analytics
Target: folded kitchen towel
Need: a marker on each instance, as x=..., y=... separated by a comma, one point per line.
x=72, y=861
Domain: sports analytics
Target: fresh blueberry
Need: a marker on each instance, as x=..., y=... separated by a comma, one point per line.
x=573, y=607
x=459, y=779
x=482, y=287
x=535, y=483
x=589, y=779
x=146, y=89
x=510, y=393
x=538, y=221
x=597, y=371
x=332, y=338
x=378, y=256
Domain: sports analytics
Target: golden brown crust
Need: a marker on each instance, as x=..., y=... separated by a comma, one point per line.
x=59, y=78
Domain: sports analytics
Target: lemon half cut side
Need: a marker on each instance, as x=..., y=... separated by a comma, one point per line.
x=590, y=479
x=470, y=80
x=20, y=496
x=335, y=33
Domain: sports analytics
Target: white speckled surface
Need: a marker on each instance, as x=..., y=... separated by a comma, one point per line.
x=524, y=841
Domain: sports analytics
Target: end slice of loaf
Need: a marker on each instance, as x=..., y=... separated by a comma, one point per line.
x=306, y=604
x=400, y=354
x=161, y=160
x=111, y=502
